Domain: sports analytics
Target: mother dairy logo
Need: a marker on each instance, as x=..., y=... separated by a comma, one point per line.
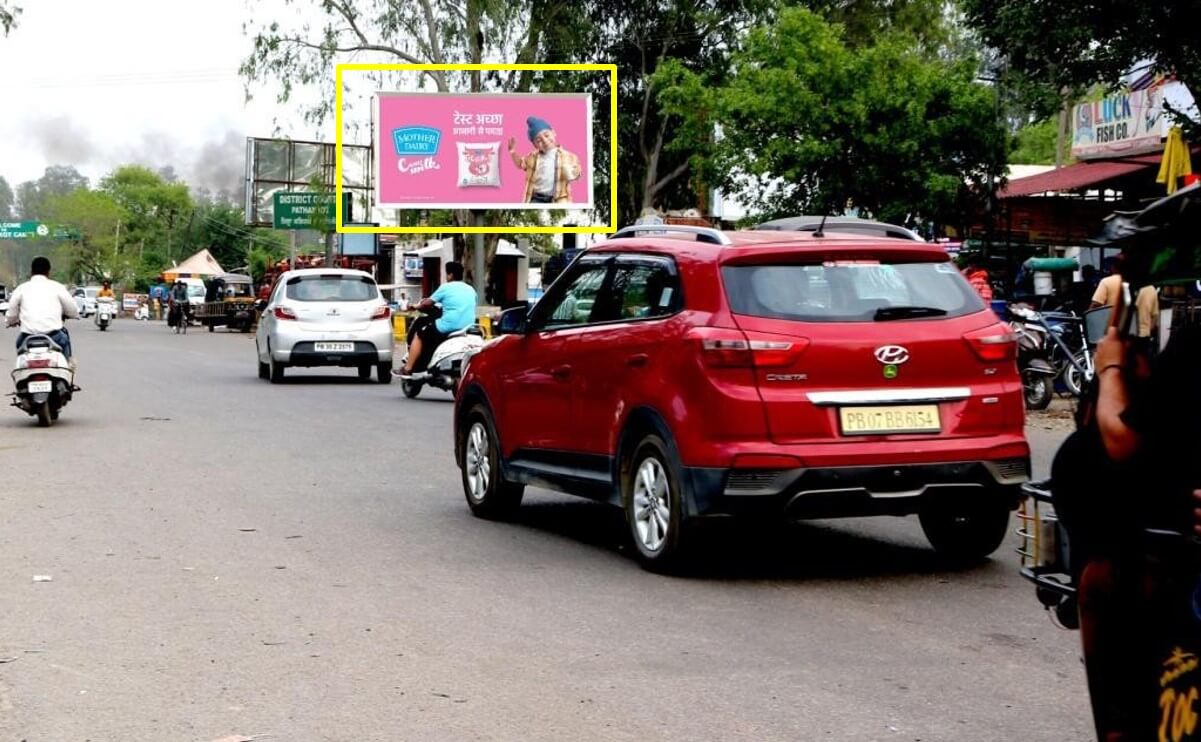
x=416, y=140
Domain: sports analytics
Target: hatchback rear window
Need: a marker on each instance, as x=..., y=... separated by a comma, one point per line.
x=331, y=288
x=858, y=291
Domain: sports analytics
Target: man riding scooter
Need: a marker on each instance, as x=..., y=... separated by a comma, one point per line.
x=457, y=301
x=39, y=305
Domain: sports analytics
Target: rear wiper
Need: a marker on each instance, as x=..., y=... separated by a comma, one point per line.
x=883, y=314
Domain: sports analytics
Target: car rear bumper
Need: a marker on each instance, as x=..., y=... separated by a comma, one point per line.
x=838, y=492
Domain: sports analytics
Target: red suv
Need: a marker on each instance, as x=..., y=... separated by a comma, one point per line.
x=791, y=374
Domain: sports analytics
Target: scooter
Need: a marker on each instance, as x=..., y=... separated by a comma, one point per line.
x=446, y=364
x=43, y=378
x=106, y=310
x=1034, y=365
x=142, y=313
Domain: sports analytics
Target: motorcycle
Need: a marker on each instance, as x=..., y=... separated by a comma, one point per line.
x=106, y=311
x=1037, y=372
x=446, y=364
x=1065, y=345
x=43, y=378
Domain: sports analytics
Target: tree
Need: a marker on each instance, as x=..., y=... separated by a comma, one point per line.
x=154, y=208
x=94, y=254
x=8, y=16
x=6, y=200
x=299, y=51
x=56, y=180
x=864, y=22
x=1035, y=144
x=1066, y=46
x=811, y=124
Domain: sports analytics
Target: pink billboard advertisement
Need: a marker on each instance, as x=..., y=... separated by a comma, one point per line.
x=483, y=151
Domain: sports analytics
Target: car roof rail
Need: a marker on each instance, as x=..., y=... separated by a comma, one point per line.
x=703, y=234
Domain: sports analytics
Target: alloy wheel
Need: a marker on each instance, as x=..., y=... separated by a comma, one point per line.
x=479, y=466
x=652, y=504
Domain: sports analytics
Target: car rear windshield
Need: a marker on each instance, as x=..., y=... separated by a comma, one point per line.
x=849, y=291
x=332, y=288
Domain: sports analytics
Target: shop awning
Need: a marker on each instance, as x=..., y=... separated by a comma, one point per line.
x=1079, y=175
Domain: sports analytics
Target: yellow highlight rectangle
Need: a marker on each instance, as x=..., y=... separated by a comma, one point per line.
x=610, y=68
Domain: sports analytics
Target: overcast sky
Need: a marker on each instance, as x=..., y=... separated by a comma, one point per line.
x=95, y=84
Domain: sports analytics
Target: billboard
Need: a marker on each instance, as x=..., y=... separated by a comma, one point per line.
x=285, y=166
x=1131, y=121
x=483, y=151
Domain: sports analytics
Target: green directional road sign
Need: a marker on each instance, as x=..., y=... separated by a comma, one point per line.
x=295, y=209
x=23, y=230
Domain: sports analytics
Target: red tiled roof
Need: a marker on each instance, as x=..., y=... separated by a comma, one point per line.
x=1079, y=175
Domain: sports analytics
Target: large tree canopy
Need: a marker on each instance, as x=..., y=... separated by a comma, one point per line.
x=1070, y=45
x=812, y=124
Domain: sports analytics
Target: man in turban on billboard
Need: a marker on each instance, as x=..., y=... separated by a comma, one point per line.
x=549, y=169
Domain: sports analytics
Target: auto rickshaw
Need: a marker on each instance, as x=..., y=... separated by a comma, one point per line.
x=1156, y=575
x=229, y=301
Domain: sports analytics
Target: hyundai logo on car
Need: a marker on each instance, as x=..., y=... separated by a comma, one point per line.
x=892, y=355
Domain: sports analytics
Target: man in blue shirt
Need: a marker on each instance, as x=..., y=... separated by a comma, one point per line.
x=458, y=301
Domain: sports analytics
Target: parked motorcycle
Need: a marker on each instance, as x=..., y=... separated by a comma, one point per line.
x=43, y=378
x=446, y=364
x=106, y=312
x=1034, y=365
x=1065, y=345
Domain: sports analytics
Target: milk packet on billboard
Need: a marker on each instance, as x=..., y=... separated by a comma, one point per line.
x=479, y=164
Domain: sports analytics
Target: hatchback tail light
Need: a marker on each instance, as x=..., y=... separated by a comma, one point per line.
x=284, y=313
x=724, y=347
x=994, y=344
x=382, y=313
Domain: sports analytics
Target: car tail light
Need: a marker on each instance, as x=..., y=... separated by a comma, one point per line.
x=284, y=313
x=38, y=363
x=993, y=344
x=732, y=348
x=382, y=313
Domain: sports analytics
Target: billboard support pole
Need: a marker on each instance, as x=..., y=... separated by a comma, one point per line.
x=478, y=261
x=292, y=251
x=329, y=249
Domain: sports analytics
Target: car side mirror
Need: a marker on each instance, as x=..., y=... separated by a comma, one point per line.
x=261, y=305
x=513, y=321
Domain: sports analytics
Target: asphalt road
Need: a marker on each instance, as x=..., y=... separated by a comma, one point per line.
x=232, y=558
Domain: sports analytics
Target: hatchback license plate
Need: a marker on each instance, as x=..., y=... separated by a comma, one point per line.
x=40, y=387
x=880, y=420
x=334, y=347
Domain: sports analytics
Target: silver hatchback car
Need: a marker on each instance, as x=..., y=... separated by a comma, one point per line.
x=325, y=317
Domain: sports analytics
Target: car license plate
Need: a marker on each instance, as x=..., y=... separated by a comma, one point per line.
x=334, y=347
x=880, y=420
x=40, y=387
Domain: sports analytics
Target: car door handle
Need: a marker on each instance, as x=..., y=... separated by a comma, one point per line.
x=638, y=360
x=561, y=372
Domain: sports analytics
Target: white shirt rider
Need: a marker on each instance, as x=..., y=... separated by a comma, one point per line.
x=39, y=305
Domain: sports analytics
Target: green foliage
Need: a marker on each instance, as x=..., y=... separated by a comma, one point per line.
x=1035, y=144
x=56, y=180
x=94, y=254
x=1069, y=45
x=153, y=206
x=811, y=124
